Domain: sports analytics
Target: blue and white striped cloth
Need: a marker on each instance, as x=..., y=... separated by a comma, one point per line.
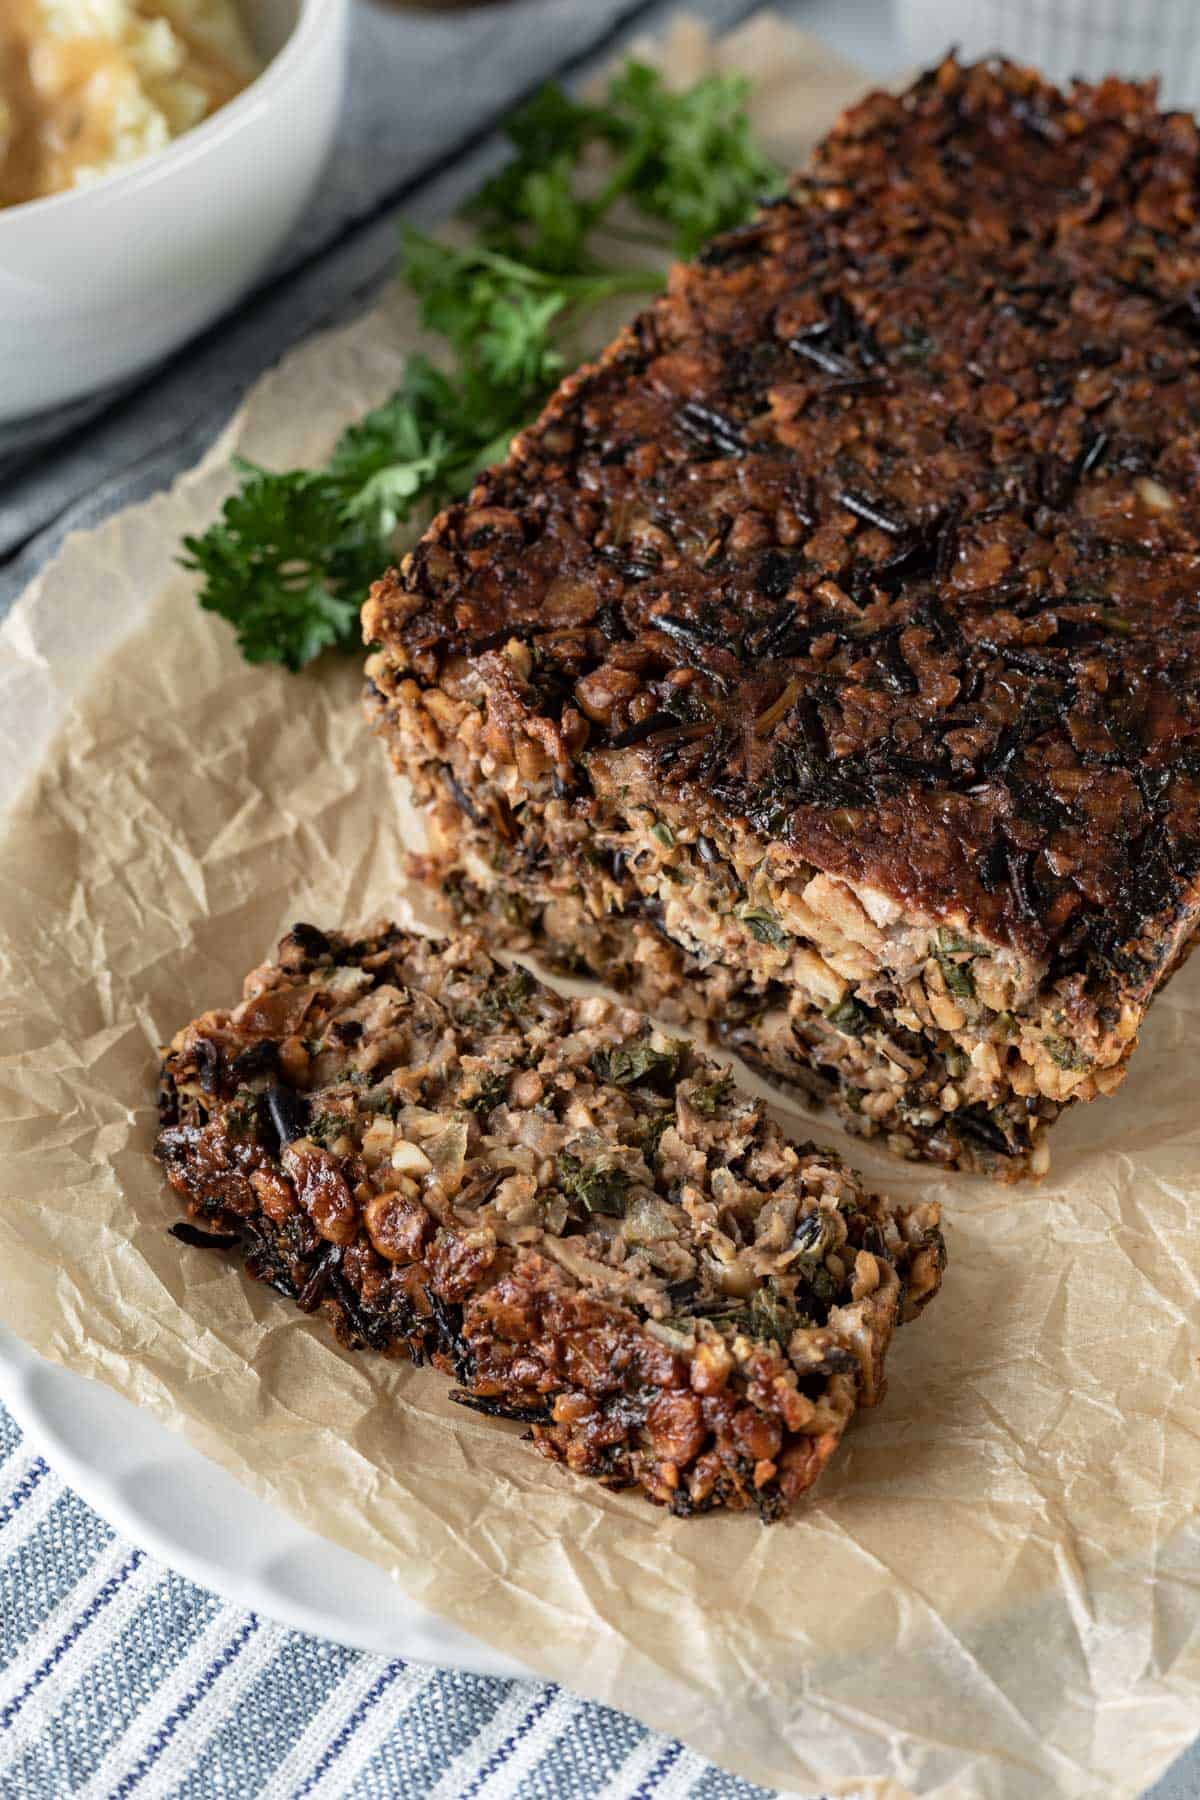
x=119, y=1678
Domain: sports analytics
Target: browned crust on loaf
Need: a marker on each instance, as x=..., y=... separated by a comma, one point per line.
x=396, y=1132
x=877, y=537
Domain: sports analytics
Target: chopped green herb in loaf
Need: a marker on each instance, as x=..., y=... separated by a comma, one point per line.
x=585, y=1222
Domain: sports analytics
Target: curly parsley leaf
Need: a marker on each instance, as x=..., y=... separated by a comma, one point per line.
x=498, y=313
x=280, y=566
x=530, y=207
x=691, y=156
x=685, y=159
x=293, y=553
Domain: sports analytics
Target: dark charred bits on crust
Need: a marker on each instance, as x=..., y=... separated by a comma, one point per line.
x=196, y=1239
x=941, y=403
x=447, y=1161
x=287, y=1112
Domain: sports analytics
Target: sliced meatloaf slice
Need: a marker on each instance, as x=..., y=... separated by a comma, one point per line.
x=579, y=1218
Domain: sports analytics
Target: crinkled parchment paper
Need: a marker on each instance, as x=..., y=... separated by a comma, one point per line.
x=996, y=1591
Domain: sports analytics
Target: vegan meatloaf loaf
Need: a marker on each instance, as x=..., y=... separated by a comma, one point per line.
x=825, y=659
x=581, y=1219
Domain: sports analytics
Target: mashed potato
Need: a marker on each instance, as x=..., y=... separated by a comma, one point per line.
x=89, y=86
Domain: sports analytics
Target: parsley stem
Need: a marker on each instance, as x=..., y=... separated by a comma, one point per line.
x=618, y=184
x=597, y=285
x=629, y=234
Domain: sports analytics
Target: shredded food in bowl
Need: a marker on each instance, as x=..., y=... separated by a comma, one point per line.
x=90, y=86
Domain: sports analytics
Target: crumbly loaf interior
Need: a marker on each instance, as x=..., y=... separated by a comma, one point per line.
x=580, y=1217
x=887, y=1080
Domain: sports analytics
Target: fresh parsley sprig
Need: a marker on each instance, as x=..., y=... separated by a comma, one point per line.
x=686, y=159
x=290, y=559
x=499, y=315
x=292, y=555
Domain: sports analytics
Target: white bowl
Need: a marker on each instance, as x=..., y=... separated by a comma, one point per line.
x=102, y=281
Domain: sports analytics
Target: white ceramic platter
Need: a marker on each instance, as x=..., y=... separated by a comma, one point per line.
x=156, y=1490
